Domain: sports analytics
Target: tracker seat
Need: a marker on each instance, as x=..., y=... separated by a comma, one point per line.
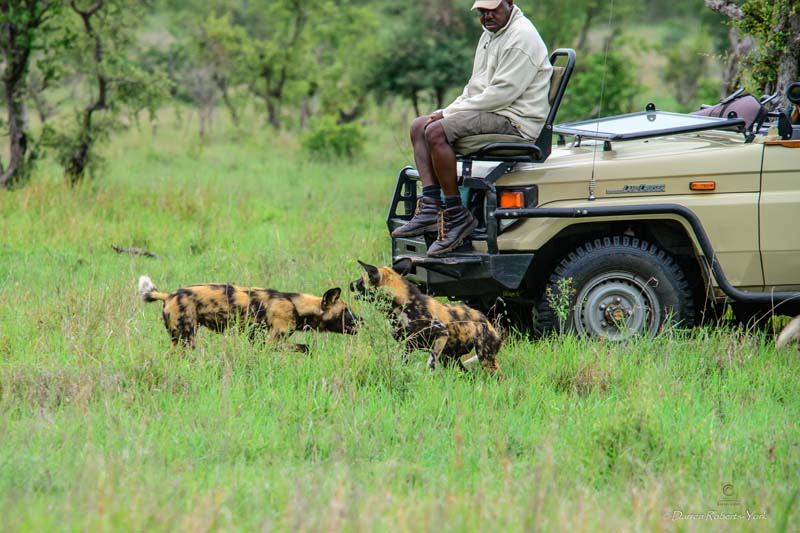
x=511, y=148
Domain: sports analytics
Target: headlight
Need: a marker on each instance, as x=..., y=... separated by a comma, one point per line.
x=516, y=198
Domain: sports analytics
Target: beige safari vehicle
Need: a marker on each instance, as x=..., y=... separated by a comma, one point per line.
x=627, y=224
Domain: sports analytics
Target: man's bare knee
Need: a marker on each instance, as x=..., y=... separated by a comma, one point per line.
x=418, y=128
x=434, y=134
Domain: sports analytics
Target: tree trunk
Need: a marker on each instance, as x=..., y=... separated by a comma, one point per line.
x=439, y=97
x=79, y=160
x=16, y=48
x=583, y=34
x=222, y=85
x=789, y=63
x=17, y=137
x=273, y=112
x=740, y=48
x=415, y=101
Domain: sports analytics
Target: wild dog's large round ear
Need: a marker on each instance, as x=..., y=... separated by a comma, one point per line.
x=330, y=297
x=403, y=266
x=373, y=272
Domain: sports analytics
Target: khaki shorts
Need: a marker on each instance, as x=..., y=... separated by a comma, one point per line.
x=465, y=123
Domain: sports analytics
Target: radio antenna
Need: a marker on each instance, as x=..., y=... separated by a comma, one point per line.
x=592, y=182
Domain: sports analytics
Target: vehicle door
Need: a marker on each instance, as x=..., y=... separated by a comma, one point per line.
x=779, y=215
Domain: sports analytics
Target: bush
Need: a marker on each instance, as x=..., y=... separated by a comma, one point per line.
x=329, y=140
x=600, y=86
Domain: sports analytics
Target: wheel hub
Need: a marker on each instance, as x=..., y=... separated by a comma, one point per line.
x=616, y=306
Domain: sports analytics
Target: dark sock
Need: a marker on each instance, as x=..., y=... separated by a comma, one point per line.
x=452, y=201
x=432, y=191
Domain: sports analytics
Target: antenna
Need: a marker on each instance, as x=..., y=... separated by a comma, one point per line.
x=592, y=182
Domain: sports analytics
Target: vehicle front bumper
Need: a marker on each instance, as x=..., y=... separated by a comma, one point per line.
x=465, y=274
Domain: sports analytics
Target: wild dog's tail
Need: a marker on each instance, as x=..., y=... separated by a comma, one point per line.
x=790, y=333
x=148, y=291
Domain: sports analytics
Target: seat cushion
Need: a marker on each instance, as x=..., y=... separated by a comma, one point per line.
x=473, y=143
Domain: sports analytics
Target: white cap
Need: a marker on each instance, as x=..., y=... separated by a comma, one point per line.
x=486, y=4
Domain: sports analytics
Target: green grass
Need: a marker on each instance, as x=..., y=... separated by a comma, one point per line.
x=102, y=427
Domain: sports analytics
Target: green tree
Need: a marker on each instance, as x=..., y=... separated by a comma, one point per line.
x=113, y=80
x=24, y=27
x=601, y=85
x=219, y=45
x=346, y=44
x=774, y=61
x=430, y=51
x=687, y=65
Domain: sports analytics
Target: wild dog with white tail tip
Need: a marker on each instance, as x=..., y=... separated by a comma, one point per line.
x=216, y=305
x=448, y=331
x=790, y=333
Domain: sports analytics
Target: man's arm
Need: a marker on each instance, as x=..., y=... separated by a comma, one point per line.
x=795, y=116
x=513, y=75
x=461, y=96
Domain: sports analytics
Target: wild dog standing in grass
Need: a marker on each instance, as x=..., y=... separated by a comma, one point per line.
x=449, y=331
x=789, y=334
x=278, y=314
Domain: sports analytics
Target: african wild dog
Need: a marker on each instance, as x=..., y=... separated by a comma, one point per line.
x=789, y=334
x=449, y=331
x=216, y=305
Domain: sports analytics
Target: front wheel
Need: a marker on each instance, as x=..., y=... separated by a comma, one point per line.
x=615, y=288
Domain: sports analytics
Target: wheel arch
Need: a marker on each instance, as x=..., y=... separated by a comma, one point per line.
x=671, y=234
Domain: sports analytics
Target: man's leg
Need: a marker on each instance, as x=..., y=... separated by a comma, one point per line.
x=428, y=207
x=457, y=221
x=422, y=156
x=442, y=157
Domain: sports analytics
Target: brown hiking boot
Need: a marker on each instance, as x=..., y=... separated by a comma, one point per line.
x=455, y=224
x=424, y=220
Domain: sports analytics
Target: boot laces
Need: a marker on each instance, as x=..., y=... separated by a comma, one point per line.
x=441, y=226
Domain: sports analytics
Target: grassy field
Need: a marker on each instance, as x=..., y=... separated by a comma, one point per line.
x=103, y=428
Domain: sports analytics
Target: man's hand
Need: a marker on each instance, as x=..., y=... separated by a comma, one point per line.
x=436, y=115
x=795, y=117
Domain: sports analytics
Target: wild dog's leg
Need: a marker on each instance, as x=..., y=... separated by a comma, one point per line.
x=438, y=346
x=181, y=323
x=405, y=353
x=279, y=336
x=187, y=321
x=486, y=347
x=256, y=332
x=453, y=361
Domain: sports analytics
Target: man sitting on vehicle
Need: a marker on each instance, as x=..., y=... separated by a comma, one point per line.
x=506, y=94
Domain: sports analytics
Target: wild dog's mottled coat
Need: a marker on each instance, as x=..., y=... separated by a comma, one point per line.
x=449, y=331
x=215, y=305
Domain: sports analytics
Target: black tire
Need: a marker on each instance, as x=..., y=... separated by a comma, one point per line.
x=623, y=287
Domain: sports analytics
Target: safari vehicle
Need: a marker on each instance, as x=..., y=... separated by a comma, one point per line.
x=635, y=220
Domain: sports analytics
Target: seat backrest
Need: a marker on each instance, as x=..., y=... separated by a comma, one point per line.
x=558, y=85
x=555, y=82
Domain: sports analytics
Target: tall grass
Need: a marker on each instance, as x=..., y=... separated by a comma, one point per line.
x=103, y=427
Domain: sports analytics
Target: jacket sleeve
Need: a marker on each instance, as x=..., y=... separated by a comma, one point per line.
x=514, y=73
x=460, y=97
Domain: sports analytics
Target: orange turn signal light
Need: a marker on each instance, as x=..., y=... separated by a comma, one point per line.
x=512, y=200
x=703, y=185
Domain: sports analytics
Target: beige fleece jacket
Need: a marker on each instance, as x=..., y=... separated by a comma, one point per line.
x=510, y=76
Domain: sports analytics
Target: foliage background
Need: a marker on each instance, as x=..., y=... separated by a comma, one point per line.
x=78, y=71
x=103, y=427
